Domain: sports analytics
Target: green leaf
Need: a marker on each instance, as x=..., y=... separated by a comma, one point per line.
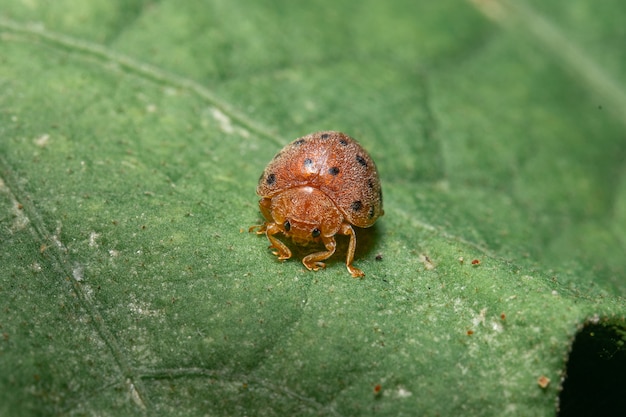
x=132, y=134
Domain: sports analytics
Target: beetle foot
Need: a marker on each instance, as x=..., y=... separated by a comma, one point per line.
x=355, y=272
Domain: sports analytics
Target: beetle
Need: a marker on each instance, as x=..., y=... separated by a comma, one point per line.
x=316, y=187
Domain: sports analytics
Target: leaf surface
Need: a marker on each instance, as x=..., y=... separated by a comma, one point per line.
x=132, y=134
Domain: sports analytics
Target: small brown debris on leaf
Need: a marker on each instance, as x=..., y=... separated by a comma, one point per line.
x=543, y=381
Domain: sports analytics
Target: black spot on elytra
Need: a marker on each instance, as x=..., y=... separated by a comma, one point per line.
x=325, y=136
x=371, y=212
x=356, y=205
x=361, y=161
x=299, y=142
x=343, y=142
x=271, y=179
x=333, y=171
x=308, y=162
x=370, y=184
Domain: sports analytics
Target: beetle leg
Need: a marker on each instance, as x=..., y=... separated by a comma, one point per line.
x=314, y=260
x=259, y=229
x=282, y=251
x=346, y=229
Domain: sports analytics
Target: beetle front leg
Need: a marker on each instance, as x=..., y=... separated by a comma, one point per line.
x=282, y=251
x=314, y=260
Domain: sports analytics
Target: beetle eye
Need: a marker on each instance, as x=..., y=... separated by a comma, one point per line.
x=316, y=232
x=287, y=225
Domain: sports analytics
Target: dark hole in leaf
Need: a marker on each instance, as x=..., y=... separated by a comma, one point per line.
x=595, y=382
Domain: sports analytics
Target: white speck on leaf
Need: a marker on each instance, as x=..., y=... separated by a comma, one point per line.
x=480, y=318
x=92, y=239
x=496, y=326
x=42, y=140
x=77, y=273
x=403, y=392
